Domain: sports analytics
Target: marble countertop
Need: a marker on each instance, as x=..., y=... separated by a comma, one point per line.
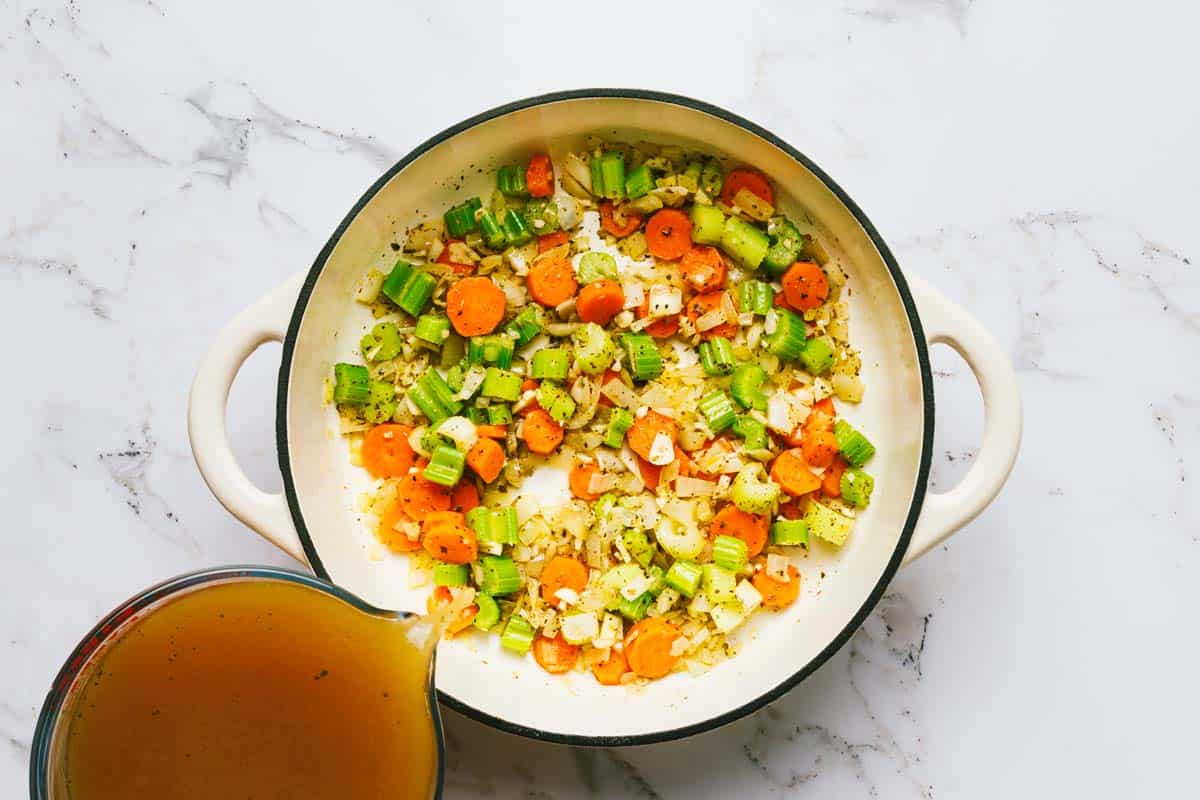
x=166, y=162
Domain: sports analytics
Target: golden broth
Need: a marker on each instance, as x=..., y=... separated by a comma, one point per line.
x=254, y=689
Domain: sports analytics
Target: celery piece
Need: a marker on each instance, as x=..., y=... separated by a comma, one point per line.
x=786, y=243
x=491, y=230
x=597, y=266
x=712, y=178
x=755, y=297
x=518, y=635
x=825, y=523
x=510, y=180
x=719, y=583
x=639, y=546
x=556, y=401
x=746, y=386
x=432, y=328
x=352, y=384
x=752, y=491
x=787, y=339
x=460, y=220
x=550, y=362
x=856, y=487
x=417, y=292
x=718, y=411
x=381, y=343
x=499, y=415
x=744, y=242
x=612, y=174
x=501, y=385
x=397, y=279
x=516, y=228
x=594, y=349
x=854, y=447
x=684, y=577
x=525, y=326
x=730, y=552
x=500, y=575
x=541, y=216
x=489, y=611
x=635, y=610
x=645, y=360
x=752, y=431
x=708, y=224
x=446, y=466
x=716, y=356
x=789, y=533
x=619, y=422
x=817, y=356
x=495, y=349
x=639, y=182
x=450, y=574
x=381, y=402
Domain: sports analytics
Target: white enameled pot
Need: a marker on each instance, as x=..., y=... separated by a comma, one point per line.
x=894, y=319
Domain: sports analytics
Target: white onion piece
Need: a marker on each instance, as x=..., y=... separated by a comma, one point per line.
x=619, y=393
x=635, y=293
x=711, y=320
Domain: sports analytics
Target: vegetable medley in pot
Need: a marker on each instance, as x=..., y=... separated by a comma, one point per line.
x=649, y=322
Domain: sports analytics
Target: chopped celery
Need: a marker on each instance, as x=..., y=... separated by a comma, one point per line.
x=718, y=411
x=596, y=266
x=478, y=416
x=744, y=242
x=494, y=524
x=752, y=491
x=431, y=441
x=510, y=180
x=645, y=360
x=787, y=339
x=755, y=297
x=604, y=505
x=730, y=552
x=612, y=176
x=716, y=356
x=417, y=292
x=557, y=402
x=499, y=415
x=616, y=578
x=594, y=348
x=658, y=579
x=684, y=577
x=495, y=349
x=432, y=328
x=719, y=583
x=433, y=396
x=856, y=487
x=460, y=220
x=491, y=230
x=525, y=325
x=394, y=283
x=753, y=431
x=789, y=533
x=785, y=246
x=500, y=575
x=381, y=402
x=445, y=468
x=516, y=229
x=825, y=523
x=488, y=613
x=712, y=178
x=747, y=383
x=635, y=610
x=450, y=574
x=455, y=378
x=690, y=177
x=639, y=182
x=550, y=362
x=541, y=216
x=501, y=385
x=351, y=384
x=382, y=343
x=854, y=447
x=639, y=546
x=517, y=635
x=708, y=224
x=619, y=421
x=817, y=356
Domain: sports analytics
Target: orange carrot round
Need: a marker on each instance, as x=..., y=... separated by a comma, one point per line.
x=475, y=306
x=563, y=572
x=556, y=655
x=542, y=434
x=805, y=285
x=454, y=544
x=391, y=538
x=552, y=240
x=464, y=497
x=609, y=222
x=600, y=301
x=580, y=478
x=609, y=671
x=831, y=481
x=648, y=647
x=491, y=431
x=700, y=305
x=386, y=452
x=703, y=268
x=819, y=447
x=551, y=281
x=751, y=179
x=645, y=428
x=486, y=459
x=661, y=328
x=669, y=234
x=776, y=593
x=418, y=496
x=750, y=528
x=651, y=475
x=791, y=472
x=539, y=176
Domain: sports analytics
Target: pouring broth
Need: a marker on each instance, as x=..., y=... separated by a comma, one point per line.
x=254, y=689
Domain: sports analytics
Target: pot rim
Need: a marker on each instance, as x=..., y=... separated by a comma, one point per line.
x=910, y=308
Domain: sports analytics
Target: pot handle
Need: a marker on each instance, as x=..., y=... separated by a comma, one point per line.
x=264, y=321
x=945, y=512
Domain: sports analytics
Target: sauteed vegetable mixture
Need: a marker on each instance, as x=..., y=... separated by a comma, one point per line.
x=647, y=321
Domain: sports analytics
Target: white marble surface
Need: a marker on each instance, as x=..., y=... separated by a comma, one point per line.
x=165, y=162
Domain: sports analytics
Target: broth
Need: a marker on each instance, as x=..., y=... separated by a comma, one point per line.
x=254, y=689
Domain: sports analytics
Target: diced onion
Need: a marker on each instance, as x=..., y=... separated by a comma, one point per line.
x=711, y=320
x=634, y=293
x=777, y=567
x=619, y=393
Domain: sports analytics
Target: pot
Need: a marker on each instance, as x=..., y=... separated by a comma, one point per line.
x=894, y=320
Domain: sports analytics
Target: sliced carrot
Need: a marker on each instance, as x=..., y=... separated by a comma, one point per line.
x=464, y=497
x=669, y=234
x=629, y=222
x=826, y=407
x=791, y=472
x=418, y=496
x=542, y=434
x=556, y=655
x=491, y=431
x=454, y=544
x=552, y=240
x=562, y=572
x=648, y=647
x=551, y=281
x=436, y=519
x=700, y=305
x=441, y=596
x=805, y=285
x=661, y=328
x=475, y=306
x=386, y=452
x=651, y=475
x=610, y=670
x=391, y=538
x=781, y=301
x=444, y=258
x=645, y=428
x=819, y=447
x=580, y=478
x=750, y=528
x=539, y=176
x=775, y=593
x=831, y=481
x=529, y=385
x=703, y=268
x=751, y=179
x=486, y=459
x=600, y=301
